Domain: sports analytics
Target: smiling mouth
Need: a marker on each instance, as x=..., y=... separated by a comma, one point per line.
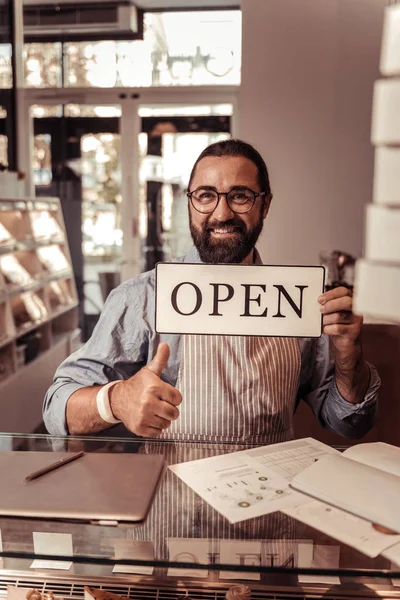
x=226, y=230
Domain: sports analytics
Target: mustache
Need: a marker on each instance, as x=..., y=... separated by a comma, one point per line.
x=230, y=223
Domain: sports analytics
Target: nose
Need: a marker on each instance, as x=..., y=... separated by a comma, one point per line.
x=222, y=211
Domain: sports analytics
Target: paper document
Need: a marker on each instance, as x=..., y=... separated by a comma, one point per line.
x=319, y=557
x=55, y=544
x=250, y=483
x=134, y=550
x=194, y=551
x=342, y=526
x=57, y=565
x=363, y=481
x=238, y=552
x=377, y=454
x=289, y=458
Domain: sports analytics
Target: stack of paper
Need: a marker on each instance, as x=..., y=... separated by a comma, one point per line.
x=352, y=497
x=377, y=279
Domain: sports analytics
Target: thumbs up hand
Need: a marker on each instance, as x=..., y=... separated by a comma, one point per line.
x=144, y=403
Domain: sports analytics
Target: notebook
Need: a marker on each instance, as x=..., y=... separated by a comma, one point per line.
x=100, y=488
x=364, y=481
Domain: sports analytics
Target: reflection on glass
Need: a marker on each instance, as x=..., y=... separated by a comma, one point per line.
x=42, y=111
x=3, y=150
x=91, y=110
x=42, y=65
x=53, y=259
x=6, y=79
x=179, y=48
x=101, y=192
x=13, y=271
x=179, y=152
x=42, y=174
x=183, y=110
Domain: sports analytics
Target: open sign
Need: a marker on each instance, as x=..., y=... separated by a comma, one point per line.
x=254, y=300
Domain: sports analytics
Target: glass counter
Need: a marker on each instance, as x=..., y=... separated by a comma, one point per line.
x=184, y=548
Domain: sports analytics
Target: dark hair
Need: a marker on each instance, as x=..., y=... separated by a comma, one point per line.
x=234, y=147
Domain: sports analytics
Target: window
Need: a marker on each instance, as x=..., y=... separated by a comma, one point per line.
x=42, y=65
x=6, y=79
x=101, y=194
x=179, y=48
x=3, y=151
x=42, y=160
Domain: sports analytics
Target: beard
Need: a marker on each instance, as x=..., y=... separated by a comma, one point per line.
x=232, y=250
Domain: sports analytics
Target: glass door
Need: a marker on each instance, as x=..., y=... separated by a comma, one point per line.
x=171, y=139
x=77, y=157
x=121, y=172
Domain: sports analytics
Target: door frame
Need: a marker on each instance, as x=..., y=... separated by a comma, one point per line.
x=130, y=99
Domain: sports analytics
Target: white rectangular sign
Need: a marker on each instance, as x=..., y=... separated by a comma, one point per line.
x=279, y=301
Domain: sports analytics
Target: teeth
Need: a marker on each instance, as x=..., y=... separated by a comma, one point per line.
x=224, y=230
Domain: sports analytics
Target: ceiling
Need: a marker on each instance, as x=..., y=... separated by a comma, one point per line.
x=185, y=4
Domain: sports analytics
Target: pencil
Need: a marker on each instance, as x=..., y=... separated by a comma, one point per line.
x=56, y=465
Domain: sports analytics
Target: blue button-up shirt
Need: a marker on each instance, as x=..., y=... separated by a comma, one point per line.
x=124, y=340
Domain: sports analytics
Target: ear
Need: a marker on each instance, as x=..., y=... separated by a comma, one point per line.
x=267, y=204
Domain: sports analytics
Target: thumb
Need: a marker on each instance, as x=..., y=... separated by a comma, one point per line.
x=160, y=359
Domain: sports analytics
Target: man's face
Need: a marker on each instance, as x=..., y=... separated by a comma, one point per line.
x=224, y=236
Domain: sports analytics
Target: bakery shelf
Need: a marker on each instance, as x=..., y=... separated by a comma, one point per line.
x=52, y=259
x=16, y=223
x=59, y=296
x=28, y=311
x=38, y=304
x=7, y=361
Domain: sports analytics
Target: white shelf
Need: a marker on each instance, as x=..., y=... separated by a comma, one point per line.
x=22, y=392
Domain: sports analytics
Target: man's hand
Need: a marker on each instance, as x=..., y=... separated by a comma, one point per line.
x=144, y=403
x=339, y=322
x=344, y=328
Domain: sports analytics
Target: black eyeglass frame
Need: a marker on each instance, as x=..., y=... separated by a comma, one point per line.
x=219, y=194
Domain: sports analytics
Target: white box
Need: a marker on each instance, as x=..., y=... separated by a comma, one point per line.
x=377, y=290
x=390, y=53
x=382, y=234
x=386, y=112
x=387, y=175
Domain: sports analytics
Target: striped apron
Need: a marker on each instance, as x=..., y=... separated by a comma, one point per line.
x=237, y=388
x=234, y=388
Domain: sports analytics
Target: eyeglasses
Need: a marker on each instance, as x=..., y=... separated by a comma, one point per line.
x=239, y=199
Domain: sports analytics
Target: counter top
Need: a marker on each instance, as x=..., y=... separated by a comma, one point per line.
x=183, y=532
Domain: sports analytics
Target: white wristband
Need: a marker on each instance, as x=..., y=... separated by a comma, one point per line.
x=103, y=404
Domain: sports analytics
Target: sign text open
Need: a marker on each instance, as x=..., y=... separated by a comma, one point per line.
x=238, y=300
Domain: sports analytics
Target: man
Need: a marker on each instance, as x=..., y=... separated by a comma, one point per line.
x=214, y=387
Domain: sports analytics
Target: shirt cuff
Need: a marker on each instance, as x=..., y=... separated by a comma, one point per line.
x=346, y=409
x=54, y=416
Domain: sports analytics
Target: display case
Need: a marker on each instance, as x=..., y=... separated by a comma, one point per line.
x=184, y=549
x=38, y=306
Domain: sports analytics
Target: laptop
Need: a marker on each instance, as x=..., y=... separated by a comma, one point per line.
x=104, y=489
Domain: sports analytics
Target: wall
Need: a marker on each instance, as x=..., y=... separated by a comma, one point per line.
x=305, y=102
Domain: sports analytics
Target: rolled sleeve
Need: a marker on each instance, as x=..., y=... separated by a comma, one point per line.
x=344, y=409
x=116, y=350
x=55, y=406
x=319, y=390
